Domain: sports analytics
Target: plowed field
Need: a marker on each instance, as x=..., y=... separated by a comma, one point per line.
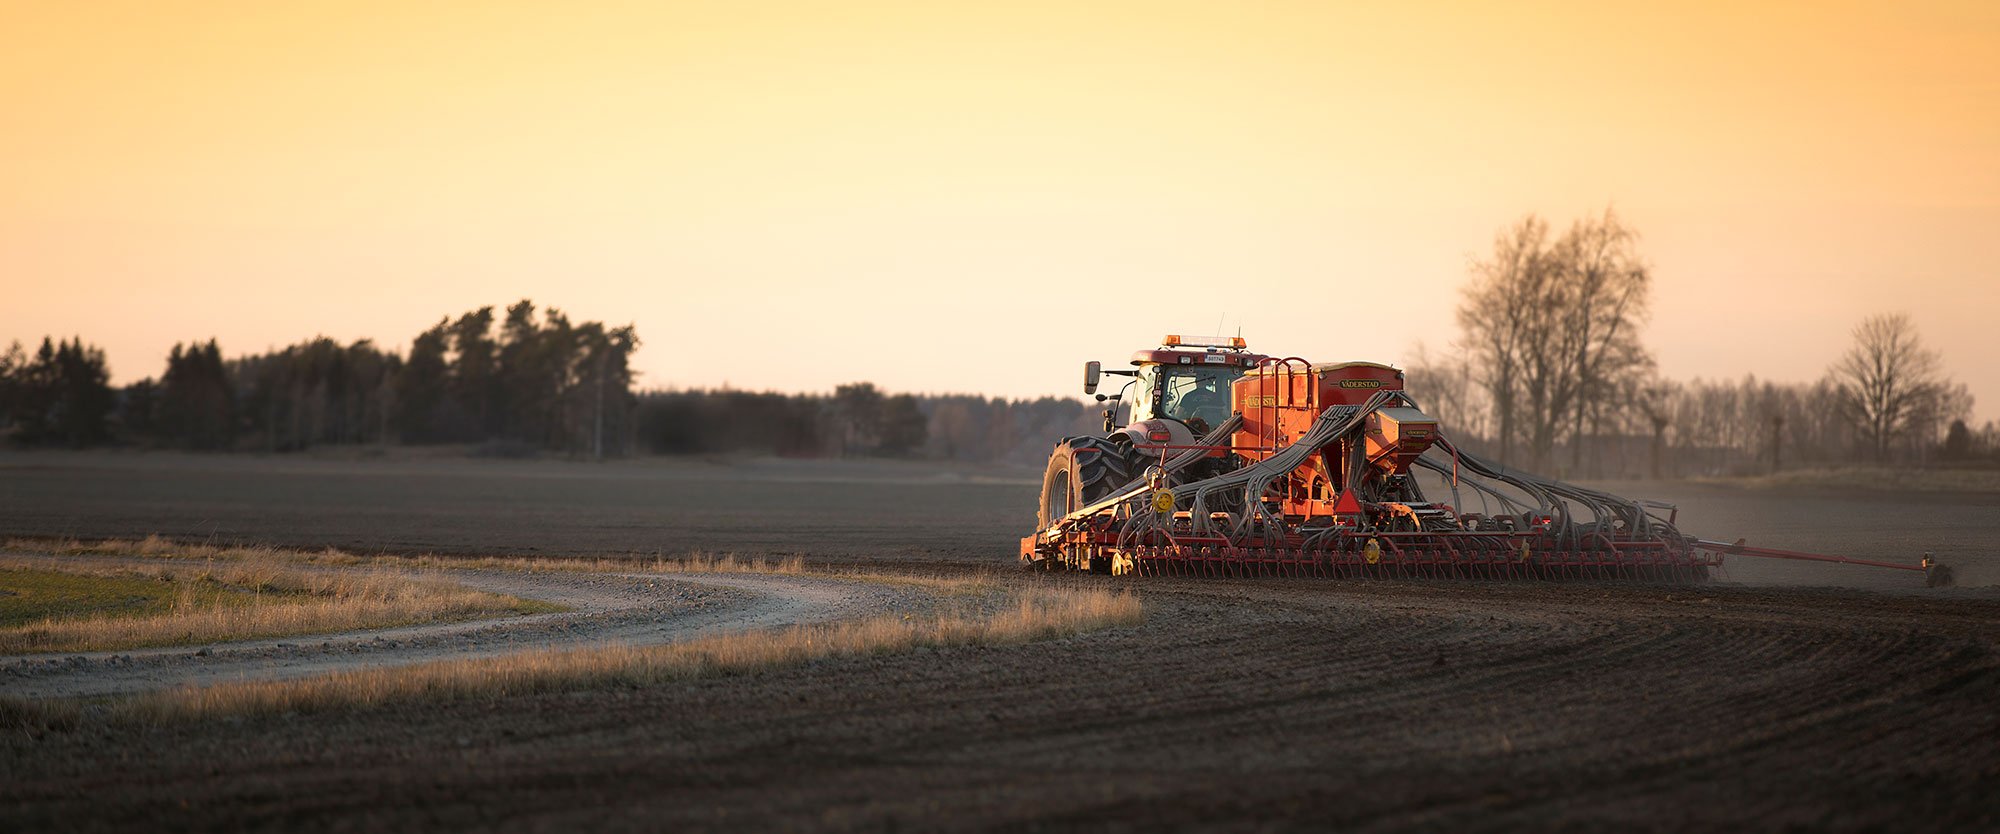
x=1785, y=696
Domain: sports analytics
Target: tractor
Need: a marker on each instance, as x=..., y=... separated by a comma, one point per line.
x=1234, y=461
x=1178, y=392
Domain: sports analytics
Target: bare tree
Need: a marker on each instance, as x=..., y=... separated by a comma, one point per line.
x=1451, y=393
x=1553, y=331
x=1603, y=287
x=1934, y=416
x=1889, y=384
x=1656, y=403
x=1500, y=314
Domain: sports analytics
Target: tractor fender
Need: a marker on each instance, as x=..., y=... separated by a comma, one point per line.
x=1143, y=432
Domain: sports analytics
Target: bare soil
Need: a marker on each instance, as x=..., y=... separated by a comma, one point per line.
x=828, y=509
x=1776, y=700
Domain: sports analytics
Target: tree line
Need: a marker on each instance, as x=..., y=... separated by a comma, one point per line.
x=859, y=420
x=514, y=383
x=1550, y=373
x=59, y=396
x=529, y=382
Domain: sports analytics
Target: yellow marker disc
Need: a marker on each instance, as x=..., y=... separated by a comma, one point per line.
x=1163, y=500
x=1372, y=551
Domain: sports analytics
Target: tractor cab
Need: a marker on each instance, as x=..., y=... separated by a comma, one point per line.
x=1186, y=380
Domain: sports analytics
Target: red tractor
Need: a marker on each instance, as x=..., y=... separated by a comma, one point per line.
x=1237, y=461
x=1179, y=392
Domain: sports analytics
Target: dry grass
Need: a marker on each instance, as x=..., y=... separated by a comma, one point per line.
x=258, y=595
x=1035, y=614
x=695, y=563
x=34, y=715
x=167, y=550
x=156, y=547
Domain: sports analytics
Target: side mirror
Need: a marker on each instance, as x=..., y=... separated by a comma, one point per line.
x=1091, y=371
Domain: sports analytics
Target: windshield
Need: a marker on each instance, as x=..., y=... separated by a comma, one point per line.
x=1196, y=393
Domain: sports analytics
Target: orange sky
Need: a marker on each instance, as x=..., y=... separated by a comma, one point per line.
x=793, y=196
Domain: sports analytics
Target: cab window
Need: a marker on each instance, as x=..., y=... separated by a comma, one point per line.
x=1196, y=393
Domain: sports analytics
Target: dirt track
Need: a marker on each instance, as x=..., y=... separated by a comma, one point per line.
x=1238, y=704
x=633, y=609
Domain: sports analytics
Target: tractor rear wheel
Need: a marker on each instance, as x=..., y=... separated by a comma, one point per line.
x=1081, y=472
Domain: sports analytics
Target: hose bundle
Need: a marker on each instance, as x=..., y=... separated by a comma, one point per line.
x=1232, y=505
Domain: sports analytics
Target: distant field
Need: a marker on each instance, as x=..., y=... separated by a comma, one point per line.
x=828, y=511
x=1908, y=478
x=828, y=508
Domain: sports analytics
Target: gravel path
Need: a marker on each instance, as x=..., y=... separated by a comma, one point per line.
x=629, y=609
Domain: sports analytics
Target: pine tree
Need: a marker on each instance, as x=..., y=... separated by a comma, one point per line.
x=420, y=388
x=197, y=402
x=82, y=398
x=474, y=362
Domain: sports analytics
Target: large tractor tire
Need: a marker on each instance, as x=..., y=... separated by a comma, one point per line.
x=1081, y=472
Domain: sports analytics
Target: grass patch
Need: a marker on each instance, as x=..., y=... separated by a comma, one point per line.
x=29, y=595
x=72, y=607
x=1031, y=614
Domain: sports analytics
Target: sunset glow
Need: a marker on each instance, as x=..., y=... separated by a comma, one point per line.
x=793, y=196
